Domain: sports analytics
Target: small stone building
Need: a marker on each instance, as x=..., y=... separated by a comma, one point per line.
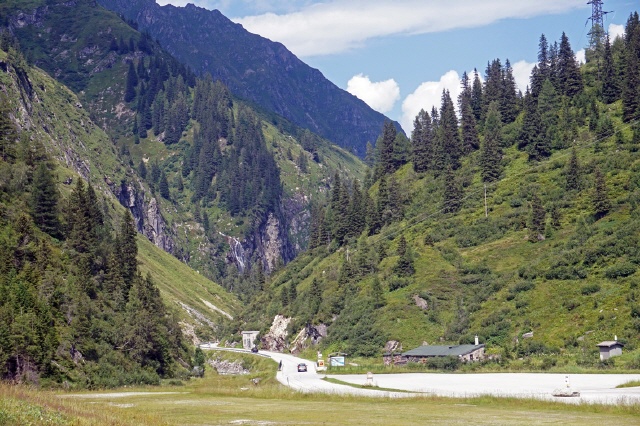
x=610, y=348
x=466, y=353
x=248, y=339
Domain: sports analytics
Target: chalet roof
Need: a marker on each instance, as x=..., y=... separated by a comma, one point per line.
x=440, y=350
x=609, y=343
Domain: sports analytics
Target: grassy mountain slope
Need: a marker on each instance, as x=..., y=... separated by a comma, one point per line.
x=49, y=113
x=536, y=298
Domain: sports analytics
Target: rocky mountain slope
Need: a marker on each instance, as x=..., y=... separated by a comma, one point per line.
x=256, y=69
x=183, y=136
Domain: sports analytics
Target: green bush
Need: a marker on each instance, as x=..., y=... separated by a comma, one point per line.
x=590, y=289
x=447, y=363
x=620, y=270
x=397, y=283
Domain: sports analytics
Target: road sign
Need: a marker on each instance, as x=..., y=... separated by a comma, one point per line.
x=336, y=361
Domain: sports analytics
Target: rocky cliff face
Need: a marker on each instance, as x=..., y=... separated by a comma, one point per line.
x=269, y=244
x=256, y=69
x=146, y=213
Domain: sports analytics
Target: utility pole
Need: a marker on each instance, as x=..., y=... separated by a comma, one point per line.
x=597, y=33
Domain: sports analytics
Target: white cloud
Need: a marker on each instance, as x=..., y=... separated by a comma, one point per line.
x=615, y=31
x=341, y=25
x=428, y=95
x=380, y=96
x=522, y=74
x=581, y=56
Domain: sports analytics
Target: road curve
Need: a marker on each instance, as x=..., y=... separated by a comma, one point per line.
x=593, y=388
x=310, y=381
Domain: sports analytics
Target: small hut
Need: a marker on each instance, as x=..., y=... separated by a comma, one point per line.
x=610, y=348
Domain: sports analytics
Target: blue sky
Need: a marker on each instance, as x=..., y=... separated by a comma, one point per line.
x=398, y=55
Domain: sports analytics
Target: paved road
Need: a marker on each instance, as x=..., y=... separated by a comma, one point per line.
x=593, y=388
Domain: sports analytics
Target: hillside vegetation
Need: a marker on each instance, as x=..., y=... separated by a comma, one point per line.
x=216, y=171
x=80, y=304
x=417, y=255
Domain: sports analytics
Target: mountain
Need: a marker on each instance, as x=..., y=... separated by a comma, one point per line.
x=220, y=184
x=517, y=223
x=257, y=70
x=83, y=300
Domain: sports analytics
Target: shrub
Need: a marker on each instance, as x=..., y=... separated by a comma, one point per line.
x=397, y=283
x=590, y=289
x=620, y=270
x=449, y=363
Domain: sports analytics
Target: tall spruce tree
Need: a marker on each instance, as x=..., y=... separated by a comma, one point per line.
x=631, y=82
x=387, y=161
x=450, y=143
x=470, y=140
x=573, y=171
x=452, y=196
x=533, y=137
x=491, y=156
x=476, y=96
x=404, y=267
x=44, y=201
x=163, y=186
x=600, y=197
x=8, y=132
x=569, y=77
x=130, y=85
x=610, y=89
x=128, y=249
x=422, y=144
x=537, y=221
x=509, y=101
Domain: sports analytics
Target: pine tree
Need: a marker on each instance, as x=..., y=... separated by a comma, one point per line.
x=128, y=249
x=533, y=136
x=44, y=201
x=542, y=70
x=493, y=85
x=8, y=133
x=163, y=186
x=476, y=96
x=452, y=198
x=470, y=141
x=509, y=101
x=573, y=171
x=491, y=155
x=386, y=155
x=600, y=197
x=537, y=222
x=315, y=297
x=142, y=170
x=449, y=144
x=404, y=267
x=377, y=294
x=631, y=82
x=421, y=139
x=569, y=77
x=130, y=85
x=610, y=89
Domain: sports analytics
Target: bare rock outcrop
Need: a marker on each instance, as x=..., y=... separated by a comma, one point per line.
x=309, y=335
x=275, y=340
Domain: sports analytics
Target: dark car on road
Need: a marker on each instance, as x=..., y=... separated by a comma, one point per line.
x=302, y=368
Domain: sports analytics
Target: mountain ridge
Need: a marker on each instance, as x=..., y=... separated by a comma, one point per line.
x=257, y=69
